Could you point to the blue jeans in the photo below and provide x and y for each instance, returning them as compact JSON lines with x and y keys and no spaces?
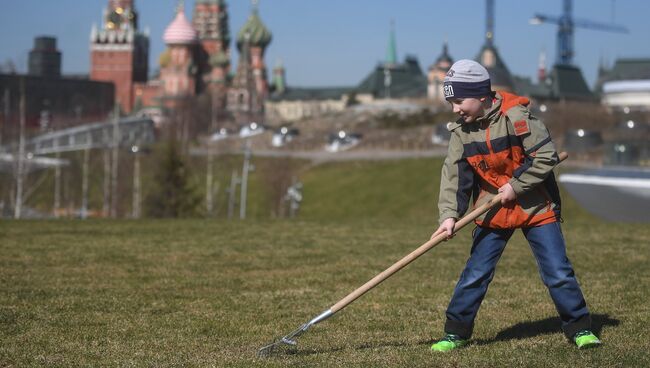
{"x":547,"y":244}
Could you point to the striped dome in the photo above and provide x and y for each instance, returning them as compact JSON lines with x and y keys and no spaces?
{"x":180,"y":31}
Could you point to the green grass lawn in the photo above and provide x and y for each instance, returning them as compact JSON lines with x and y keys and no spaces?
{"x":211,"y":292}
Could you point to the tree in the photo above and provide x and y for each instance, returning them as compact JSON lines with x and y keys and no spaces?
{"x":277,"y":176}
{"x":173,"y":193}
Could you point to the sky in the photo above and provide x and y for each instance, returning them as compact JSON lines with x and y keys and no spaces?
{"x":338,"y":42}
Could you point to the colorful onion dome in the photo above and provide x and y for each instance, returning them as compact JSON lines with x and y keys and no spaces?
{"x":257,"y":32}
{"x":180,"y":31}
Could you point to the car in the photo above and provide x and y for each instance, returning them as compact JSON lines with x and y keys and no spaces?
{"x":251,"y":130}
{"x":284,"y":135}
{"x":221,"y":134}
{"x":342,"y":141}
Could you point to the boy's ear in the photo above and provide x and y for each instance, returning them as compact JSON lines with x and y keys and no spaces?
{"x":482,"y":99}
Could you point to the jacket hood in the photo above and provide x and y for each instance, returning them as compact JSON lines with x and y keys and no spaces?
{"x":510,"y":100}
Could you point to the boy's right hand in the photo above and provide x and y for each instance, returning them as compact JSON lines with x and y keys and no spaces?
{"x":447,"y":226}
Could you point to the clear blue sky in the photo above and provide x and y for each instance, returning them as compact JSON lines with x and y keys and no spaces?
{"x":337,"y":42}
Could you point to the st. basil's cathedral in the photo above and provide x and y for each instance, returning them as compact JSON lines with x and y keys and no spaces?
{"x":196,"y":60}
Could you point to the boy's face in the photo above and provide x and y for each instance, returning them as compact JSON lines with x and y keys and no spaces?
{"x":469,"y":109}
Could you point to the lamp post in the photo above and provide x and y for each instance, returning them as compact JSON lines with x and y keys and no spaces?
{"x":136,"y":211}
{"x":232,"y":191}
{"x":114,"y":159}
{"x":84,"y":181}
{"x":21,"y":155}
{"x":244,"y":180}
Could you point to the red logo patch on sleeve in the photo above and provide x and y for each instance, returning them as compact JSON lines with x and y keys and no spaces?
{"x":521,"y":127}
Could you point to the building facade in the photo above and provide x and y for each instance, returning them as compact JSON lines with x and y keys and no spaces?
{"x":52,"y":102}
{"x":625,"y":87}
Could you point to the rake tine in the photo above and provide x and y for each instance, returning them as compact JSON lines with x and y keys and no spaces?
{"x":289,"y":339}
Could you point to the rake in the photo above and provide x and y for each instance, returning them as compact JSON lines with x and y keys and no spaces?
{"x":290,"y":339}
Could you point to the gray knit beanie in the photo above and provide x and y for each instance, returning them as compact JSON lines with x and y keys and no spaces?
{"x":467,"y":78}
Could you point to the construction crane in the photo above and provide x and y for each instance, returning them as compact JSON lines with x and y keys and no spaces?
{"x":566,"y":23}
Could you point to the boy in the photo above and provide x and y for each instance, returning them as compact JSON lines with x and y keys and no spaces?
{"x":497,"y":146}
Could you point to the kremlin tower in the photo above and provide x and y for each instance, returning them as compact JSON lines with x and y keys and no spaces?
{"x":119,"y":51}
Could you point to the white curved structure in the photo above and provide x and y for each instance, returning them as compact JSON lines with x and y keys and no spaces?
{"x":613,"y":194}
{"x":631,"y":94}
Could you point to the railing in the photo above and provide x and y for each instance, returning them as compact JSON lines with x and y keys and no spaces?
{"x":130,"y":131}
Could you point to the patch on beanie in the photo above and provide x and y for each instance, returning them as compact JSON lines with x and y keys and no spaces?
{"x":449,"y":90}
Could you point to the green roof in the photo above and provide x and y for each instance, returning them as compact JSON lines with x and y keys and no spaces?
{"x":406,"y":81}
{"x":259,"y":35}
{"x":568,"y":83}
{"x":525,"y":87}
{"x":624,"y":69}
{"x":630,"y":69}
{"x":565,"y":83}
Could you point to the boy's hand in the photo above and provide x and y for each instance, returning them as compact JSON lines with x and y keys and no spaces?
{"x":447,"y":226}
{"x":507,"y":193}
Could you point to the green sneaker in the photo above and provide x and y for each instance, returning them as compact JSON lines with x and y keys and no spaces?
{"x":586,"y":339}
{"x":449,"y":342}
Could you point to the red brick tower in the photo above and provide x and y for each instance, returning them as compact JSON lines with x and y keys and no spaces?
{"x":119,"y":53}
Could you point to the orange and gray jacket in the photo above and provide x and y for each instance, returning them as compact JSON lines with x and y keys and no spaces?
{"x":506,"y":145}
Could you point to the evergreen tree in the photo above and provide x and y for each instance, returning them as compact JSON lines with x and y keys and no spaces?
{"x":173,"y":194}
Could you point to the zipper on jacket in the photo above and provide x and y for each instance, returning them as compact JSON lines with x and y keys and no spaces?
{"x":491,"y":155}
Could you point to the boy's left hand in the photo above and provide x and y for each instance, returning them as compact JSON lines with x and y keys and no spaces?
{"x":507,"y":193}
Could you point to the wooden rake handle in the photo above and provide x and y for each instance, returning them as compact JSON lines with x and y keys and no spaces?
{"x":470,"y":217}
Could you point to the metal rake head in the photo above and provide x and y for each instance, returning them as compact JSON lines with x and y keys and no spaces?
{"x":288,"y":340}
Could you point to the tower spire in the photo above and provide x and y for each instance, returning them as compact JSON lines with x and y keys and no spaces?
{"x":445,"y":47}
{"x":541,"y":69}
{"x":391,"y":51}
